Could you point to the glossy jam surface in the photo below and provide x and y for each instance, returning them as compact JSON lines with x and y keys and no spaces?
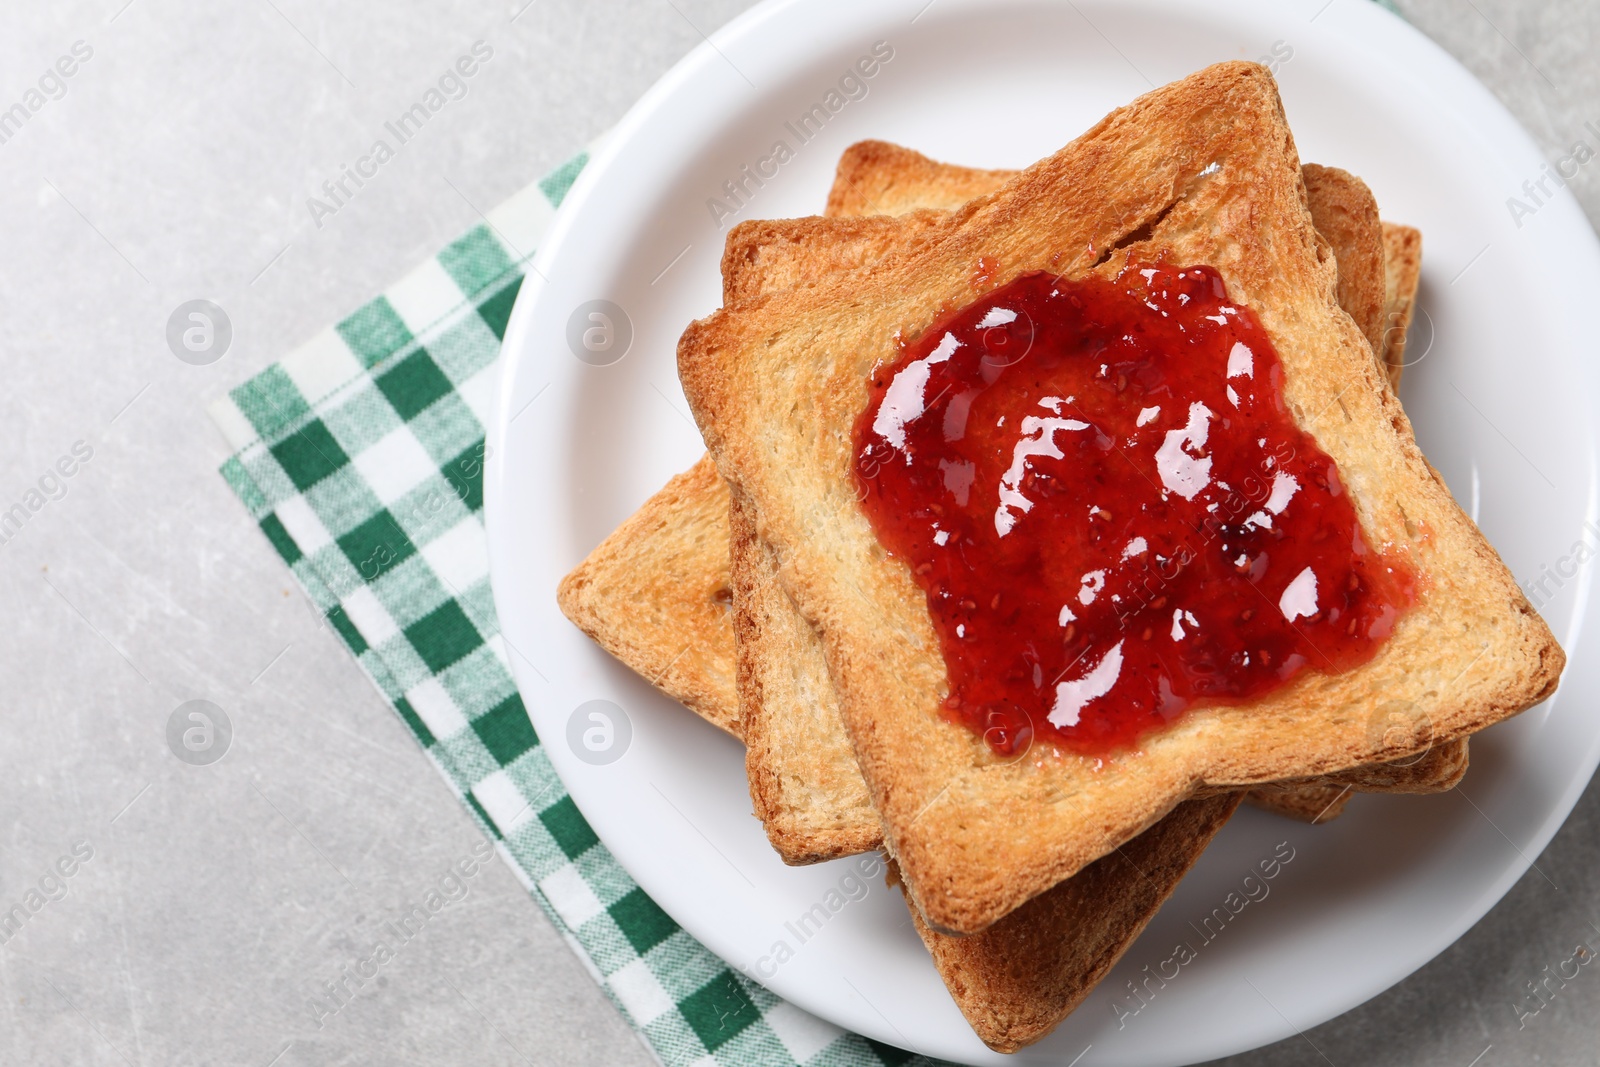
{"x":1112,"y":511}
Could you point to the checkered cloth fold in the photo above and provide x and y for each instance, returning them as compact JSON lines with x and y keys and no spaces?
{"x":360,"y":456}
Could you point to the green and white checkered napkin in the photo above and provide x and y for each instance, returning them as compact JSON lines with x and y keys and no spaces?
{"x":360,"y":456}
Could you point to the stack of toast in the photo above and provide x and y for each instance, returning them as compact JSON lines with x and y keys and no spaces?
{"x":753,"y":589}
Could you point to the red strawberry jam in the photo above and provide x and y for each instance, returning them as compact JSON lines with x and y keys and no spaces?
{"x":1112,"y":511}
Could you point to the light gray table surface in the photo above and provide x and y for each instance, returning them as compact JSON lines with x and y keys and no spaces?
{"x":219,"y":899}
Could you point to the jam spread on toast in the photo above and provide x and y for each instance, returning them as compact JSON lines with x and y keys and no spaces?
{"x":1112,"y":511}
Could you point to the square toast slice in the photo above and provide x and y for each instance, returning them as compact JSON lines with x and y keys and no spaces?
{"x":657,"y":595}
{"x":804,"y":782}
{"x":1200,"y":171}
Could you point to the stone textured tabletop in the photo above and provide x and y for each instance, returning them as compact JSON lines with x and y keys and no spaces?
{"x":208,"y":904}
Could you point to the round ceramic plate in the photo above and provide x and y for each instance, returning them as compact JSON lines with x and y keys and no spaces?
{"x":1502,"y":398}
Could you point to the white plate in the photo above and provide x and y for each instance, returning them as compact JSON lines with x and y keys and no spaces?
{"x":1502,"y":402}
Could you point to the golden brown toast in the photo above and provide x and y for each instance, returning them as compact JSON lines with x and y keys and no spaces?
{"x":656,"y":594}
{"x":879,"y":178}
{"x":653,"y":581}
{"x":1017,"y":980}
{"x":804,"y":781}
{"x":1344,"y":211}
{"x":1207,"y":167}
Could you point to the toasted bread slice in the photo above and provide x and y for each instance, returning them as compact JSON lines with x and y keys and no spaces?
{"x":1019,"y":978}
{"x":1344,"y":211}
{"x":801,"y":771}
{"x":1207,"y":168}
{"x":879,"y":178}
{"x":656,"y":594}
{"x":1402,"y":247}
